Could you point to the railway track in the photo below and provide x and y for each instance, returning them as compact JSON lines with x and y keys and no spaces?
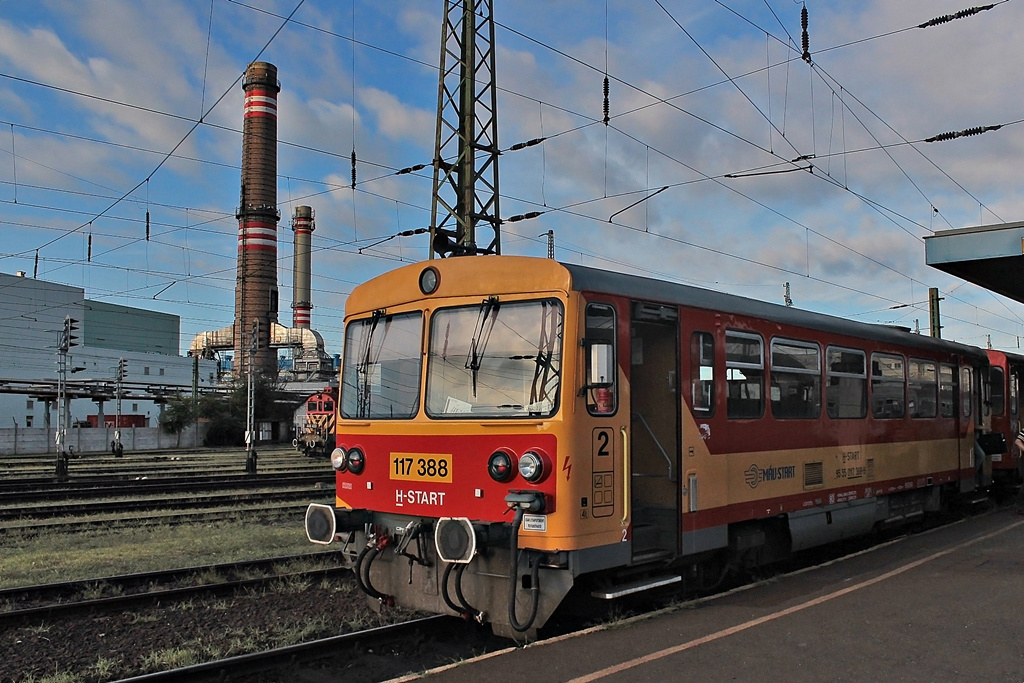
{"x":39,"y":491}
{"x":416,"y":645}
{"x":57,"y":601}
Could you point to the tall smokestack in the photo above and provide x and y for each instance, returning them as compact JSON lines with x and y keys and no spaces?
{"x":256,"y":285}
{"x":302,"y":302}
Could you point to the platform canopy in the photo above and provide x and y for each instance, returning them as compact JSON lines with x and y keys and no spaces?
{"x":991,"y":256}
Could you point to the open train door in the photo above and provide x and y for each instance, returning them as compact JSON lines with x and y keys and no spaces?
{"x":975,"y":464}
{"x":655,"y":431}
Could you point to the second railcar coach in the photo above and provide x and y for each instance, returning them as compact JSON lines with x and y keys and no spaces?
{"x":513,"y":428}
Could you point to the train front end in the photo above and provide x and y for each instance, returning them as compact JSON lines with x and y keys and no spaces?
{"x":448,"y":440}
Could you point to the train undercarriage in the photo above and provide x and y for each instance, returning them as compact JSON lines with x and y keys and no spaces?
{"x":464,"y":568}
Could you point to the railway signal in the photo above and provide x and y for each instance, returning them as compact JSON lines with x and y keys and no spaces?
{"x":116,"y":447}
{"x":66,"y":339}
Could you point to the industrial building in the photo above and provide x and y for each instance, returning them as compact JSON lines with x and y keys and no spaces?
{"x":143,"y":344}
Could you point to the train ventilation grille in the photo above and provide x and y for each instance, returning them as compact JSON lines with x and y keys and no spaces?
{"x":871,"y":469}
{"x":814,"y":474}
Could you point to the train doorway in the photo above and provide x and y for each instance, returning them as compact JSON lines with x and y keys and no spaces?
{"x":655,"y":431}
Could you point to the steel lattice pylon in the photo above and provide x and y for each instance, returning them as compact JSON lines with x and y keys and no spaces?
{"x":465,"y":191}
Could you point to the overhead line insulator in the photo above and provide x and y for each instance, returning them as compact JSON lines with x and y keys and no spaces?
{"x":977,"y":130}
{"x":524,"y":216}
{"x":411,"y":169}
{"x":523,"y":145}
{"x":959,"y":15}
{"x":353,"y":168}
{"x":806,"y":56}
{"x":606,"y":107}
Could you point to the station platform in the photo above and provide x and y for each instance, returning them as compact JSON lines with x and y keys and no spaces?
{"x":938,"y":606}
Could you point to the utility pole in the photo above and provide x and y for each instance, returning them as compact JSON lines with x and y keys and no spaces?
{"x":933,"y":312}
{"x":250,"y":421}
{"x":465,"y":189}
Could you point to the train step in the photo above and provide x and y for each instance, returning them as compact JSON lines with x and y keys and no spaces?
{"x":638,"y":586}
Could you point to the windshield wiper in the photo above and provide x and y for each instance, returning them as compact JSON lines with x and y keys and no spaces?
{"x":478,"y":343}
{"x":363,"y":368}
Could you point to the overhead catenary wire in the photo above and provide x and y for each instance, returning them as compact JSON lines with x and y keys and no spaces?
{"x":353,"y":150}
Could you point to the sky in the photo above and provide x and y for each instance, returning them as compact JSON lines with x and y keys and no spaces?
{"x":774,"y":170}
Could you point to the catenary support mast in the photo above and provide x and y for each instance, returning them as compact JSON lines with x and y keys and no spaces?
{"x":465,"y":190}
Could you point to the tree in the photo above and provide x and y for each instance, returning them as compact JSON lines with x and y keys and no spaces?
{"x":177,"y":414}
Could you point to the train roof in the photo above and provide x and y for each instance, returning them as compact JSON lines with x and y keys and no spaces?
{"x":510,"y":274}
{"x":661,"y":291}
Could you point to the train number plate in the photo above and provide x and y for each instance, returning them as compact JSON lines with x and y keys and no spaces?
{"x":431,"y":467}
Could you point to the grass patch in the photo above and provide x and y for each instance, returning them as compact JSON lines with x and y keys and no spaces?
{"x":30,"y":559}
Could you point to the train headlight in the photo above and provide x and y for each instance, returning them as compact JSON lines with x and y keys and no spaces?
{"x":356,"y":461}
{"x":429,"y":280}
{"x":499,"y":466}
{"x":531,"y":466}
{"x":339,"y":459}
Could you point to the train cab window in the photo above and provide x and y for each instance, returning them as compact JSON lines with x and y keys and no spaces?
{"x":796,"y":380}
{"x":922,"y":389}
{"x":997,"y":380}
{"x":380,"y":375}
{"x":744,"y":375}
{"x":495,"y":359}
{"x":702,"y":373}
{"x":888,"y":384}
{"x":602,"y":368}
{"x":847,"y":390}
{"x":947,"y":390}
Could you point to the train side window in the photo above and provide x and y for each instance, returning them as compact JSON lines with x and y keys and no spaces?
{"x":847,"y":391}
{"x":997,"y":379}
{"x":702,"y":373}
{"x":947,"y":391}
{"x":601,"y":366}
{"x":1014,"y":392}
{"x":922,"y":386}
{"x":888,"y":385}
{"x":966,"y":391}
{"x":796,"y":380}
{"x":744,"y":375}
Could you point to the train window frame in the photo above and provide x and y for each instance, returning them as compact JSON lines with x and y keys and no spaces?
{"x":803,"y":404}
{"x":486,"y":353}
{"x":888,"y":408}
{"x":602,"y":401}
{"x":364,"y":375}
{"x":920,"y":388}
{"x":702,"y":373}
{"x":967,"y":396}
{"x":743,"y":376}
{"x":947,"y":390}
{"x":846,"y":389}
{"x":997,"y":395}
{"x":1014,"y":392}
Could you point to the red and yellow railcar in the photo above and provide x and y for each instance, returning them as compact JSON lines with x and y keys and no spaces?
{"x":512,"y":428}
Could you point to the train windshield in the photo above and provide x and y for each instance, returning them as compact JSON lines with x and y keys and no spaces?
{"x":495,"y":359}
{"x":380,"y":377}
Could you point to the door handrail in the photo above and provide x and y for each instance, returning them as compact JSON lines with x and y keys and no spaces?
{"x":671,"y":473}
{"x":626,"y":467}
